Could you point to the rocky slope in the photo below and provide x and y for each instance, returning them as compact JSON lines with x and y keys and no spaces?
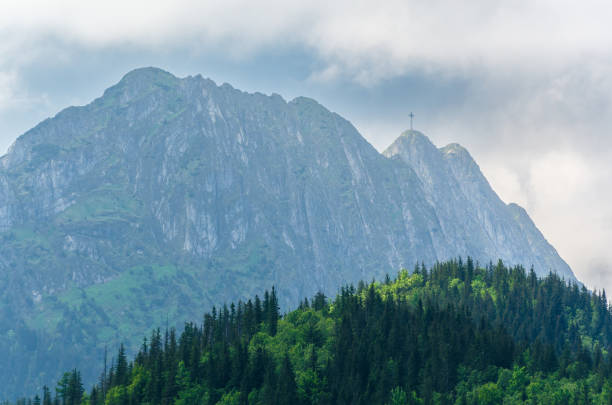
{"x":470,"y":212}
{"x":166,"y":195}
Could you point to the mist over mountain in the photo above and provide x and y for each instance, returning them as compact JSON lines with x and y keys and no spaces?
{"x":166,"y":196}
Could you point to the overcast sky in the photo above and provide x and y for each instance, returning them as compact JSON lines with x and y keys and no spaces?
{"x":526,"y":86}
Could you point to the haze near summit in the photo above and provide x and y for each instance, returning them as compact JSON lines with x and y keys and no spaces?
{"x":525,"y":87}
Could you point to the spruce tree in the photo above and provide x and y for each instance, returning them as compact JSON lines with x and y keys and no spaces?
{"x":122,"y":367}
{"x":258,"y":311}
{"x":46,"y":396}
{"x":272,"y":313}
{"x":286,"y":390}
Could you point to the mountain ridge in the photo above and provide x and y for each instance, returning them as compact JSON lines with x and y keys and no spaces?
{"x":479,"y":197}
{"x":166,"y":195}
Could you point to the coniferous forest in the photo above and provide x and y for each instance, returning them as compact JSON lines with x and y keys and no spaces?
{"x":457,"y":333}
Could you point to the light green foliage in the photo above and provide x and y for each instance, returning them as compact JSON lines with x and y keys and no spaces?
{"x":231,"y":398}
{"x":398,"y":397}
{"x":405,"y":285}
{"x":104,"y":305}
{"x":487,"y":394}
{"x":108,"y":203}
{"x":116,"y":396}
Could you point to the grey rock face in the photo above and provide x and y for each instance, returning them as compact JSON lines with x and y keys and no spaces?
{"x":473,"y":218}
{"x":167,"y":195}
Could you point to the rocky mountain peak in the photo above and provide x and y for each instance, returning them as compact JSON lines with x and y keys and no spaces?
{"x":454,"y":149}
{"x":415,"y":149}
{"x":166,"y":195}
{"x":408,"y":142}
{"x":463,"y":165}
{"x":147,"y":75}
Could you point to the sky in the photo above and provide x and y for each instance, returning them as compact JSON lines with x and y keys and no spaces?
{"x":525,"y":86}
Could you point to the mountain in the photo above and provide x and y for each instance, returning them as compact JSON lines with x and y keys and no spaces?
{"x":468,"y":209}
{"x":452,"y":334}
{"x":167,"y":195}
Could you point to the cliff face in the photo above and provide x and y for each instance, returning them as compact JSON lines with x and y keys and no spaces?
{"x":472,"y":216}
{"x":167,"y":195}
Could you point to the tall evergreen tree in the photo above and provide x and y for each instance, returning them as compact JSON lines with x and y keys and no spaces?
{"x":286,"y":390}
{"x":46,"y":396}
{"x":122,"y":367}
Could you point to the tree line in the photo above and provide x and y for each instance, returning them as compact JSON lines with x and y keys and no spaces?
{"x":458,"y":333}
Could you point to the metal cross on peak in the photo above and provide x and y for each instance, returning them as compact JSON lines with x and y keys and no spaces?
{"x":411,"y":117}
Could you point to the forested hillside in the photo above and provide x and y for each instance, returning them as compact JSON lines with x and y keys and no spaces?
{"x":453,"y":334}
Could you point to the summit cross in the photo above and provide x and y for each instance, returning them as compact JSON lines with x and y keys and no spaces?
{"x":411,"y":117}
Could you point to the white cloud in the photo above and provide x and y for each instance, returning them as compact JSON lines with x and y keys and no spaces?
{"x":7,"y":91}
{"x":570,"y":199}
{"x":369,"y":41}
{"x":557,"y":174}
{"x":506,"y":184}
{"x":12,"y":94}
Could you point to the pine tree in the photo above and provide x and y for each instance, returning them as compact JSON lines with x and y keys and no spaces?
{"x":258,"y":311}
{"x":121,"y":368}
{"x":272,"y":313}
{"x":62,"y":388}
{"x":76,"y":388}
{"x":46,"y":396}
{"x":319,"y":301}
{"x":286,"y":390}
